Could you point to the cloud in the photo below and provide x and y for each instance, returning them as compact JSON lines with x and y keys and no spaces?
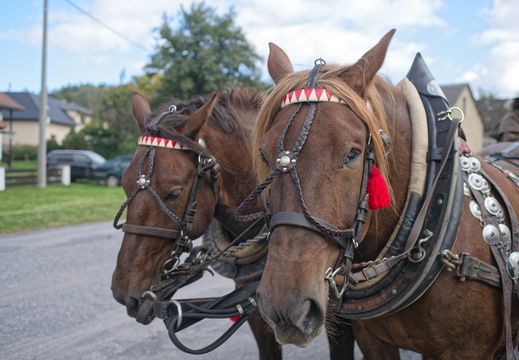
{"x":299,"y":26}
{"x":338,"y":31}
{"x":502,"y":66}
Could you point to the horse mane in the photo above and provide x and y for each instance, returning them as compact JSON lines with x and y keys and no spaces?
{"x":234,"y":114}
{"x":328,"y":78}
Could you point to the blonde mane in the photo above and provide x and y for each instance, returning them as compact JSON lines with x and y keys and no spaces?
{"x":374,"y":117}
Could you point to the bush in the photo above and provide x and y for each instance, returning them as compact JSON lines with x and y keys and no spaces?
{"x":52,"y":145}
{"x":25,"y":153}
{"x":76,"y":141}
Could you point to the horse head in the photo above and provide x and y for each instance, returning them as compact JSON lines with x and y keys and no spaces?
{"x":174,"y":188}
{"x":319,"y":136}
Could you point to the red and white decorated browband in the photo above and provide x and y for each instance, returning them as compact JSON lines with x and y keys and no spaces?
{"x":310,"y":95}
{"x":313,"y":95}
{"x":160,"y":142}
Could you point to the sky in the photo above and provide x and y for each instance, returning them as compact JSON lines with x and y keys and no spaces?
{"x":109,"y":41}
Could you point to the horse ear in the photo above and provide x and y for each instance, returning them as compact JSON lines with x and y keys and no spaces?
{"x":359,"y":75}
{"x":193,"y":126}
{"x":278,"y":63}
{"x":140,"y":109}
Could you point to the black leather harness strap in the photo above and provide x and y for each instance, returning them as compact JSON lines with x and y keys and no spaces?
{"x":472,"y":268}
{"x":512,"y":352}
{"x":300,"y":220}
{"x":240,"y":303}
{"x":150,"y":231}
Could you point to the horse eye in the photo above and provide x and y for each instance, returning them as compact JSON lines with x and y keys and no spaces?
{"x":264,"y":158}
{"x":352,"y":155}
{"x":173,"y":195}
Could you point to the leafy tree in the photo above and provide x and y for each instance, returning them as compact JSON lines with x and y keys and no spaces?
{"x":487,"y":94}
{"x":205,"y":53}
{"x":102,"y":140}
{"x":114,"y":131}
{"x":75,"y":141}
{"x":52,"y":145}
{"x":86,"y":95}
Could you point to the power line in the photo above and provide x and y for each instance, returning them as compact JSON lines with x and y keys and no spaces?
{"x":99,"y":22}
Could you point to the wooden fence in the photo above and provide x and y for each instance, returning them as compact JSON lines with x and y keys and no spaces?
{"x":9,"y":178}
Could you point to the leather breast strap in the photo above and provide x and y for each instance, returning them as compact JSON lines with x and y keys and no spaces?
{"x":512,"y":352}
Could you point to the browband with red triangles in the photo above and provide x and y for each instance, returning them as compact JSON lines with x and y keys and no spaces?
{"x":310,"y":95}
{"x":160,"y":142}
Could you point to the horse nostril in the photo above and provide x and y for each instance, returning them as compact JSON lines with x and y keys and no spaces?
{"x":132,"y":307}
{"x":267,"y":312}
{"x":306,"y":316}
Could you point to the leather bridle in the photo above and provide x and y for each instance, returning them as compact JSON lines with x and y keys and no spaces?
{"x":286,"y":163}
{"x":182,"y":237}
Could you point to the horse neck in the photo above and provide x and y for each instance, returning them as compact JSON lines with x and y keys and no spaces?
{"x":383,"y":222}
{"x":236,"y":181}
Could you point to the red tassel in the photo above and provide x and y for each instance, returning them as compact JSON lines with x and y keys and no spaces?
{"x":235,"y":318}
{"x":377,"y":190}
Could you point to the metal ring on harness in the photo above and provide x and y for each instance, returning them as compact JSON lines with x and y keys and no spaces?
{"x":179,"y":313}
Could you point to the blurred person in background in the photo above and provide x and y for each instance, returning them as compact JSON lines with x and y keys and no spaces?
{"x":508,"y":127}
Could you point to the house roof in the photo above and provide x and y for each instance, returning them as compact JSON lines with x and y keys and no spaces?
{"x":57,"y":109}
{"x":8,"y":103}
{"x":453,"y":92}
{"x":492,"y":111}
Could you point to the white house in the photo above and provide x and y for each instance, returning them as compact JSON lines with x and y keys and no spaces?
{"x":24,"y":124}
{"x":460,"y":96}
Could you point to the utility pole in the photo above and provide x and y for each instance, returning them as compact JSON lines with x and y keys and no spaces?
{"x":42,"y":145}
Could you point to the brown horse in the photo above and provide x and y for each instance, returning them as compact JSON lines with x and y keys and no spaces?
{"x":320,"y":145}
{"x":163,"y":211}
{"x":503,"y":151}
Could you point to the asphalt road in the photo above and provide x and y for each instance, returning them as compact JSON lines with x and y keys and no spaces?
{"x":56,"y":304}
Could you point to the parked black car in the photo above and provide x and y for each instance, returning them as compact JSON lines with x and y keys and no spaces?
{"x":82,"y":163}
{"x":111,"y":171}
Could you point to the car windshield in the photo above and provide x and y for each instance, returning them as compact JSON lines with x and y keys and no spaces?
{"x":98,"y":159}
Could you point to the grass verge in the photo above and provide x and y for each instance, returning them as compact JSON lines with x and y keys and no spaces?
{"x":21,"y":165}
{"x":25,"y":208}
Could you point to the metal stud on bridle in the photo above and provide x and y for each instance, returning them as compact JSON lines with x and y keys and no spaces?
{"x":143,"y":182}
{"x":286,"y":160}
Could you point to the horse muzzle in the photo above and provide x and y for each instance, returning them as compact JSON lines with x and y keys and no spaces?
{"x":296,"y":322}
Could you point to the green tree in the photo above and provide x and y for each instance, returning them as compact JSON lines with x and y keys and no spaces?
{"x":114,"y":131}
{"x":76,"y":141}
{"x":102,"y":139}
{"x":205,"y":53}
{"x":52,"y":145}
{"x":86,"y":95}
{"x":487,"y":94}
